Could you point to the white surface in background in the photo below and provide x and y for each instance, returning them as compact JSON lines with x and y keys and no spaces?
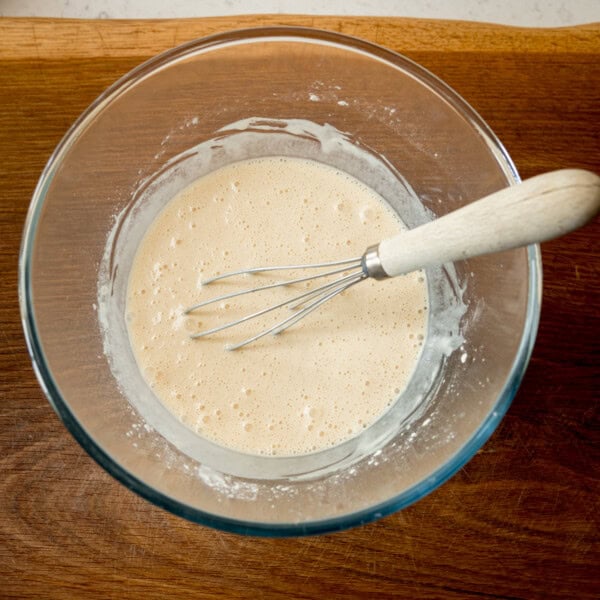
{"x":527,"y":13}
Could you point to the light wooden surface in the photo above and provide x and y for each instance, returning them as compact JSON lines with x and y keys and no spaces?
{"x":519,"y":521}
{"x":25,"y":38}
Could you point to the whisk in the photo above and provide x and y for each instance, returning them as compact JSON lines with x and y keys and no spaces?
{"x":536,"y":210}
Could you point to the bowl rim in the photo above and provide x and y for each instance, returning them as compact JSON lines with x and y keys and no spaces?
{"x":372,"y":513}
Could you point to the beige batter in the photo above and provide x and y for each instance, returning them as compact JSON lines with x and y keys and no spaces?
{"x":318,"y":383}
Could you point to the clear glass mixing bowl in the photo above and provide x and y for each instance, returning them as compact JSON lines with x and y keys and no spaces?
{"x":153,"y":116}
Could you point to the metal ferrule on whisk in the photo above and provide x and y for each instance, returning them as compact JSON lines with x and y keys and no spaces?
{"x":371,"y":264}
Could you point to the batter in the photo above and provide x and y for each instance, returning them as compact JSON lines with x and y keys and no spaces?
{"x":318,"y":383}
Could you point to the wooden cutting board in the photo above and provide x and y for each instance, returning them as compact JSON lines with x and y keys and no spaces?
{"x":519,"y":521}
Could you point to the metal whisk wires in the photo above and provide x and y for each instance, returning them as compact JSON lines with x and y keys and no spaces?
{"x":351,"y":271}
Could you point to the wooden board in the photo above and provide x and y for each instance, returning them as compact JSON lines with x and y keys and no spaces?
{"x":519,"y":521}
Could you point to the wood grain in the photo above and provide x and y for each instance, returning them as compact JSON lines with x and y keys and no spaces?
{"x":37,"y":38}
{"x":519,"y":521}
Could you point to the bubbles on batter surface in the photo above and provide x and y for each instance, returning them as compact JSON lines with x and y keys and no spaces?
{"x":273,"y":399}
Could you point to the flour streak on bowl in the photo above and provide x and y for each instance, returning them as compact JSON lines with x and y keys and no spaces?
{"x":240,"y":141}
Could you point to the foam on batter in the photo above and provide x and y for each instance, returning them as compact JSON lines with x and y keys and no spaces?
{"x":320,"y":382}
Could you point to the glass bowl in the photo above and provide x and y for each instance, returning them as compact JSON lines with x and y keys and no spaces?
{"x":270,"y":82}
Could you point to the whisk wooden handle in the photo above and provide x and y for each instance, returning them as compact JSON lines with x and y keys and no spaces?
{"x":539,"y":209}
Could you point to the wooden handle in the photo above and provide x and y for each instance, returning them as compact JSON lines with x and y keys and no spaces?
{"x":539,"y":209}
